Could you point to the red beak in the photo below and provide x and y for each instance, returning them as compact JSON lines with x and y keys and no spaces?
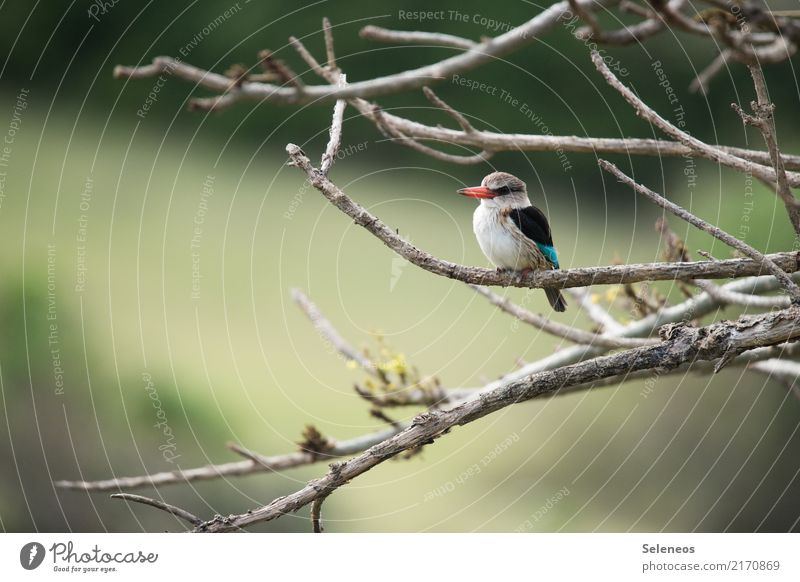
{"x":477,"y":192}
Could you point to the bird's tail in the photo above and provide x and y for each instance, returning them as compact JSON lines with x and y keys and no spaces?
{"x":556,"y":299}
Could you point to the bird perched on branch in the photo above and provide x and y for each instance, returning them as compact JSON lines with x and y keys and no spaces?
{"x":512,"y":233}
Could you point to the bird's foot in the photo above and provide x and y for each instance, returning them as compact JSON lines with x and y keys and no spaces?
{"x":521,"y":274}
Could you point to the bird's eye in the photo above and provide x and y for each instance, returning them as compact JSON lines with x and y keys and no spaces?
{"x":503,"y":190}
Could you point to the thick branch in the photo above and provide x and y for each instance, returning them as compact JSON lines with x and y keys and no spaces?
{"x":681,"y":344}
{"x":579,"y":277}
{"x":517,"y":142}
{"x":484,"y":140}
{"x":692,"y":308}
{"x":790,"y":286}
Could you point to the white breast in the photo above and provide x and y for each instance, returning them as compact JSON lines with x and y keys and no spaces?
{"x":497,"y":242}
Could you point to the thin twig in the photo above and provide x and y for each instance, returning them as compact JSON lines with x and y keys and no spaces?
{"x":701,"y":83}
{"x":238,"y":468}
{"x":764,"y":120}
{"x":595,"y":312}
{"x":783,"y":371}
{"x":316,"y":514}
{"x":330,"y":334}
{"x":258,"y":458}
{"x":560,"y":330}
{"x":697,"y":146}
{"x":483,"y":53}
{"x":328,"y":33}
{"x":595,"y":32}
{"x":485,"y":140}
{"x":743,"y":299}
{"x":440,"y":103}
{"x":176,"y":511}
{"x":427,"y":150}
{"x":281,"y":70}
{"x":380,"y":34}
{"x":707,"y":255}
{"x":335,"y":132}
{"x":307,"y":56}
{"x":733,"y":242}
{"x":216,"y":103}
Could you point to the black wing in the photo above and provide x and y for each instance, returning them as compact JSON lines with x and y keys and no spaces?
{"x":533,"y":224}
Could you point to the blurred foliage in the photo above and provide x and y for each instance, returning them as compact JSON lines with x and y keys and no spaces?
{"x":240,"y":363}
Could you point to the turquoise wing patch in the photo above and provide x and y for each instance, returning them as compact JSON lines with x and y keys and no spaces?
{"x":549,"y":253}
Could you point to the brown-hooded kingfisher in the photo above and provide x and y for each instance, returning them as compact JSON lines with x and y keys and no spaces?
{"x":512,"y":233}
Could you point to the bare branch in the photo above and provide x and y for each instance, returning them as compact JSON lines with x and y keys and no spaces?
{"x":743,"y":299}
{"x":681,"y":344}
{"x":783,"y":371}
{"x":790,"y":286}
{"x":707,"y":255}
{"x":309,"y":59}
{"x":281,"y":70}
{"x":481,"y":54}
{"x":398,"y":135}
{"x":335,"y":132}
{"x":176,"y":511}
{"x":517,"y":142}
{"x":594,"y":32}
{"x":262,"y":460}
{"x":569,"y":369}
{"x":460,"y":119}
{"x":579,"y":277}
{"x":701,"y":83}
{"x":631,"y":7}
{"x":235,"y":469}
{"x":216,"y":103}
{"x":488,"y":141}
{"x":595,"y":312}
{"x":745,"y":359}
{"x":329,"y":333}
{"x":700,"y":148}
{"x":765,"y":122}
{"x":316,"y":515}
{"x":560,"y":330}
{"x":331,"y":54}
{"x":381,"y":34}
{"x":693,"y":308}
{"x":650,"y":26}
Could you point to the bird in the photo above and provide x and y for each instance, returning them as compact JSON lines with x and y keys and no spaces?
{"x":512,"y":233}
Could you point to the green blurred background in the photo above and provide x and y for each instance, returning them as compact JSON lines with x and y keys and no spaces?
{"x":239,"y":362}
